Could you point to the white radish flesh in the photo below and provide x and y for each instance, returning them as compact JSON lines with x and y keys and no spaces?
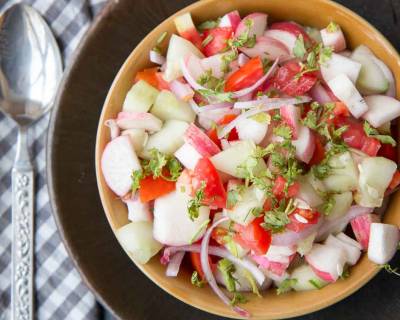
{"x":138,"y":138}
{"x":200,"y":141}
{"x":345,"y":90}
{"x":137,"y":240}
{"x":138,"y":210}
{"x":327,"y":261}
{"x":258,"y":24}
{"x":118,"y":162}
{"x":305,"y":144}
{"x":306,"y":279}
{"x":167,"y":140}
{"x":231,"y":19}
{"x":178,"y":48}
{"x":140,"y":97}
{"x":215,"y":64}
{"x":291,"y":115}
{"x":345,"y":238}
{"x":342,"y":203}
{"x":308,"y":194}
{"x":268,"y":47}
{"x":383,"y":242}
{"x":285,"y":37}
{"x":188,"y":156}
{"x":352,"y":253}
{"x":114,"y":129}
{"x":252,"y":130}
{"x":168,"y":107}
{"x":376,"y":173}
{"x":334,"y":39}
{"x":338,"y":65}
{"x":172,"y":224}
{"x":138,"y":120}
{"x":382,"y":109}
{"x":361,"y":226}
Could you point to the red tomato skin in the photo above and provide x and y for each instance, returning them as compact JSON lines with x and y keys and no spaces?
{"x":193,"y":36}
{"x":286,"y":82}
{"x":297,"y":226}
{"x":253,"y":236}
{"x":341,"y":110}
{"x":388,"y":152}
{"x":395,"y":180}
{"x":220,"y":36}
{"x":233,"y":135}
{"x":291,"y":27}
{"x":278,"y":189}
{"x":371,"y":146}
{"x":151,"y":189}
{"x":214,"y":192}
{"x":319,"y":152}
{"x":246,"y":76}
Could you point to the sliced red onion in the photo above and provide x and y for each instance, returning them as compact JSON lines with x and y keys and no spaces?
{"x":114,"y":129}
{"x":271,"y":102}
{"x":247,"y":97}
{"x":188,"y":76}
{"x":209,"y":276}
{"x":319,"y":94}
{"x":182,"y":90}
{"x":243,"y":92}
{"x":194,"y":106}
{"x":174,"y":264}
{"x":289,"y":238}
{"x":157,"y":58}
{"x":331,"y":225}
{"x":242,"y":59}
{"x":215,"y":106}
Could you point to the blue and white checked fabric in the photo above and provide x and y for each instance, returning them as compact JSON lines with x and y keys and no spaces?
{"x":60,"y":293}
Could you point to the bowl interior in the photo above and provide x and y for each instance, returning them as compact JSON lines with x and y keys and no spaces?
{"x":316,"y":13}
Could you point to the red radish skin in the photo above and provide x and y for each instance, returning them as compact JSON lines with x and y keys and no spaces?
{"x":291,"y":115}
{"x":186,"y":29}
{"x":361,"y":226}
{"x":305,"y":144}
{"x":285,"y":37}
{"x":138,"y":120}
{"x":118,"y":162}
{"x":259,"y":24}
{"x":323,"y":275}
{"x":334,"y":39}
{"x":231,"y":19}
{"x":291,"y":27}
{"x":200,"y":141}
{"x":268,"y":47}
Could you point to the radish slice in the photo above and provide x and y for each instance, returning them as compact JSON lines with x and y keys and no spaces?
{"x":259,"y":24}
{"x":276,"y":267}
{"x":138,"y":210}
{"x":205,"y":265}
{"x":305,"y":144}
{"x":182,"y":90}
{"x":345,"y":90}
{"x":271,"y":102}
{"x":334,"y":39}
{"x":175,"y":264}
{"x":200,"y":141}
{"x":188,"y":156}
{"x":267,"y":47}
{"x":118,"y":162}
{"x":253,"y":130}
{"x":215,"y":64}
{"x":157,"y":58}
{"x":338,"y":65}
{"x":285,"y":37}
{"x":208,"y":119}
{"x":352,"y":253}
{"x":138,"y":120}
{"x":330,"y":225}
{"x":326,"y":261}
{"x":139,"y":138}
{"x":114,"y":129}
{"x":382,"y":109}
{"x":321,"y":94}
{"x":383,"y":244}
{"x":215,"y":106}
{"x":291,"y":115}
{"x":231,"y":19}
{"x":345,"y":238}
{"x":242,"y":59}
{"x":361,"y":227}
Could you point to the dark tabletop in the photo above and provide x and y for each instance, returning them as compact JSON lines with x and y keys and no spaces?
{"x":73,"y":185}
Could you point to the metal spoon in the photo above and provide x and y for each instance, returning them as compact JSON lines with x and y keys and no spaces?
{"x":30,"y":71}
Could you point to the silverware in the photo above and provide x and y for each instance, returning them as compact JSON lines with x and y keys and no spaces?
{"x":30,"y":71}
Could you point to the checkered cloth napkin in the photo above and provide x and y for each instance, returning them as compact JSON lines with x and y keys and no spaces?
{"x":60,"y":293}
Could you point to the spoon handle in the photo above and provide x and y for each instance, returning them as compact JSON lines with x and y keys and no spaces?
{"x":22,"y":221}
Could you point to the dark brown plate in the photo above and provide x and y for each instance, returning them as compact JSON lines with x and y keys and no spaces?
{"x":72,"y":184}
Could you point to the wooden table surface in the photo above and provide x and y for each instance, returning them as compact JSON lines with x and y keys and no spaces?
{"x":73,"y":186}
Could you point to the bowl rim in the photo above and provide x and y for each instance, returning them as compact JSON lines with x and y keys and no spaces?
{"x":303,"y":310}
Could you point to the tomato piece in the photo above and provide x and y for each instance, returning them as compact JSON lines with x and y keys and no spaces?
{"x":370,"y":146}
{"x":219,"y":38}
{"x":246,"y":76}
{"x":287,"y":80}
{"x":193,"y":36}
{"x":151,"y":188}
{"x":278,"y":189}
{"x":341,"y":110}
{"x":298,"y":226}
{"x":319,"y":152}
{"x":233,"y":135}
{"x":214,"y":192}
{"x":152,"y":77}
{"x":292,"y":28}
{"x":395,"y":180}
{"x":388,"y":151}
{"x":267,"y":204}
{"x":253,"y":236}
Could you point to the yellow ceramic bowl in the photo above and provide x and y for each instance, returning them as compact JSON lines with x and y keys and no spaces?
{"x":316,"y":13}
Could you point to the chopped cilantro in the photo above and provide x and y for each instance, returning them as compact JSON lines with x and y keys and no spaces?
{"x":372,"y":132}
{"x":227,"y":58}
{"x":238,"y":298}
{"x":328,"y":205}
{"x":277,"y":218}
{"x":209,"y":24}
{"x":227,"y":268}
{"x":256,"y":212}
{"x":158,"y":162}
{"x":389,"y":269}
{"x":315,"y":284}
{"x":195,"y":203}
{"x":195,"y":280}
{"x":322,"y":170}
{"x":345,"y":274}
{"x":286,"y":285}
{"x":244,"y":40}
{"x":299,"y":49}
{"x":332,"y":27}
{"x":136,"y":176}
{"x":250,"y":279}
{"x":325,"y":54}
{"x":232,"y":198}
{"x":262,"y":117}
{"x":159,"y":41}
{"x":283,"y":131}
{"x":220,"y":96}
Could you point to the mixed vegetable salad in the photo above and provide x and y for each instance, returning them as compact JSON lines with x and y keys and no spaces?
{"x":259,"y":151}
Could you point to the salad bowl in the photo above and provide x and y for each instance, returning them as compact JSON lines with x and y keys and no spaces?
{"x":316,"y":13}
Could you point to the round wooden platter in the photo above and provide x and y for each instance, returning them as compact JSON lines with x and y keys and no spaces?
{"x":108,"y":271}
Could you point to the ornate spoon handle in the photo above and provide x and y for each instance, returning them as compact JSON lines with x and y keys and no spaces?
{"x":22,"y":221}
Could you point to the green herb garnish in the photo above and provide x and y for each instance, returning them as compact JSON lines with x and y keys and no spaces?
{"x":195,"y":280}
{"x":299,"y":49}
{"x":372,"y":132}
{"x":195,"y":203}
{"x":286,"y":285}
{"x":332,"y":27}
